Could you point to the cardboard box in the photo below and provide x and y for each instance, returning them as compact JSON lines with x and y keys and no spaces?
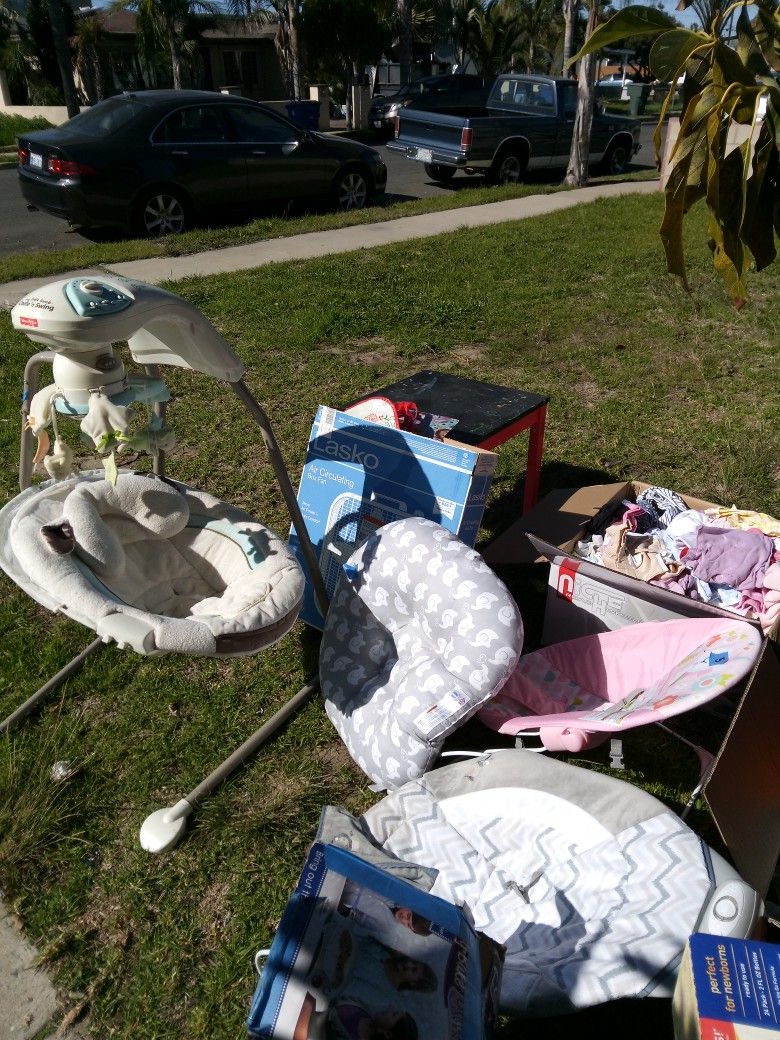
{"x":584,"y":597}
{"x":727,"y":989}
{"x":359,"y":475}
{"x":743,"y":786}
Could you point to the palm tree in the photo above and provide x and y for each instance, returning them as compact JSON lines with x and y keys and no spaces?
{"x":455,"y":22}
{"x":86,"y":44}
{"x":539,"y":31}
{"x":498,"y":36}
{"x":577,"y":170}
{"x":160,"y":24}
{"x":570,"y":8}
{"x":709,"y":13}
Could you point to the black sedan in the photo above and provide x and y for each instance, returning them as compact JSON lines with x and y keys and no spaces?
{"x":156,"y":161}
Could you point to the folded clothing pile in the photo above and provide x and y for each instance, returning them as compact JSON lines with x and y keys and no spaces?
{"x":727,"y":557}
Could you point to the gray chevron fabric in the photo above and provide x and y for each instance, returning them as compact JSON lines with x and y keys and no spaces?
{"x":420,"y":634}
{"x":592,"y":885}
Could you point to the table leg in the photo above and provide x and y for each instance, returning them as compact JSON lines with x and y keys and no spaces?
{"x":534,"y":462}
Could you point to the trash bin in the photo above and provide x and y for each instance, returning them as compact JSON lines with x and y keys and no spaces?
{"x":637,"y":98}
{"x":305,"y":114}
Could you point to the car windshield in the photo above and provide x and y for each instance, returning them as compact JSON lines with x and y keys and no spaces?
{"x":105,"y":118}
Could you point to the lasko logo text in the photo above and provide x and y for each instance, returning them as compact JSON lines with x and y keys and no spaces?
{"x":32,"y":322}
{"x":351,"y":453}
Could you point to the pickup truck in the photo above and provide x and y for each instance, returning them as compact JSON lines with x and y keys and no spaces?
{"x":527,"y":125}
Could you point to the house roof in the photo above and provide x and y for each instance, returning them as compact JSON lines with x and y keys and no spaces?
{"x":124,"y":23}
{"x":234,"y":29}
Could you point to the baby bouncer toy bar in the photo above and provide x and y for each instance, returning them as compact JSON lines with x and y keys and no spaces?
{"x":143,"y":560}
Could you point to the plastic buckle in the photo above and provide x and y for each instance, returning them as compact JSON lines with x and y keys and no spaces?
{"x":616,"y":753}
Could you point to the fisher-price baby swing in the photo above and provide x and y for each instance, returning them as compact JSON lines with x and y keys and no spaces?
{"x":145,"y":561}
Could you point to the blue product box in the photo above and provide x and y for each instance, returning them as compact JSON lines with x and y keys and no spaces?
{"x":359,"y":475}
{"x":333,"y":967}
{"x":727,"y":989}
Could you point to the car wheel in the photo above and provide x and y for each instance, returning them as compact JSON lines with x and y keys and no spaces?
{"x":508,"y":168}
{"x":350,"y":190}
{"x":440,"y":173}
{"x":161,"y":211}
{"x":617,"y":158}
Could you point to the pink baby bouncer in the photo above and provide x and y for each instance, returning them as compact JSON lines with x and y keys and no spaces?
{"x":575,"y":695}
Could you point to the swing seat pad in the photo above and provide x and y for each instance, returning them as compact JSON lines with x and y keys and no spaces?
{"x":152,"y":563}
{"x":591,"y":884}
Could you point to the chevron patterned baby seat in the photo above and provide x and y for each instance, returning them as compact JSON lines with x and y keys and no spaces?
{"x":591,"y":884}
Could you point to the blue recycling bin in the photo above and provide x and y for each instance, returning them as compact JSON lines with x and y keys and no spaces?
{"x":305,"y":113}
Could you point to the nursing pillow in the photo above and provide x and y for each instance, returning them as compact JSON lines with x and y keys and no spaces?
{"x":591,"y":884}
{"x":578,"y":693}
{"x":419,"y":634}
{"x":152,"y":564}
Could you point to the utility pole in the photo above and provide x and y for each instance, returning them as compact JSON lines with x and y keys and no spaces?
{"x":62,"y":50}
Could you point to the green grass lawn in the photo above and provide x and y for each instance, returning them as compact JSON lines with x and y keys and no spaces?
{"x":644,"y":381}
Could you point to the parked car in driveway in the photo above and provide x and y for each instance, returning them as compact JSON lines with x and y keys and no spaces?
{"x":156,"y":161}
{"x":457,"y":93}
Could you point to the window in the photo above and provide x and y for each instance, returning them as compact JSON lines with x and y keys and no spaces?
{"x":257,"y":124}
{"x":105,"y":117}
{"x":241,"y":70}
{"x":199,"y":124}
{"x":569,"y":99}
{"x":543,"y":96}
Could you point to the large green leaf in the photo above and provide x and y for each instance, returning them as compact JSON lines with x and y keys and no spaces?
{"x":760,"y":194}
{"x":671,"y":50}
{"x":631,"y":21}
{"x":726,"y":64}
{"x":748,"y":51}
{"x":725,"y":201}
{"x":766,"y":26}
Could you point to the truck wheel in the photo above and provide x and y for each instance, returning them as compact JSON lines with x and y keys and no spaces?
{"x":617,"y":158}
{"x":508,"y":168}
{"x":440,"y":173}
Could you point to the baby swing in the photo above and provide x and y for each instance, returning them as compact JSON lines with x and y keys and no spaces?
{"x":144,"y":561}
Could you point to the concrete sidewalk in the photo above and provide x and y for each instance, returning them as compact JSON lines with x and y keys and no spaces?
{"x":343,"y":240}
{"x":28,"y":1001}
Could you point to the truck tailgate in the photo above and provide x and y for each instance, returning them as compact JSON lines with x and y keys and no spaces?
{"x":433,"y":130}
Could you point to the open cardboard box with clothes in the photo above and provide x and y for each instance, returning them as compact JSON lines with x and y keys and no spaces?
{"x":585,"y":597}
{"x":743,"y":785}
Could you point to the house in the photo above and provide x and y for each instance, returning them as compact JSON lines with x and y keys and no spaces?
{"x":237,"y":55}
